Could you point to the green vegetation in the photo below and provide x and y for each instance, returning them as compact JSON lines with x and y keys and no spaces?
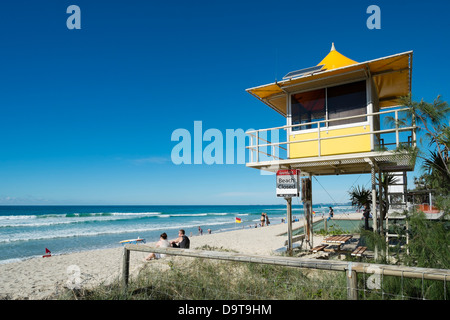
{"x":192,"y":278}
{"x":428,"y":247}
{"x":199,"y":279}
{"x":179,"y":278}
{"x":360,"y":196}
{"x":432,"y":120}
{"x":334,"y":229}
{"x":429,"y":240}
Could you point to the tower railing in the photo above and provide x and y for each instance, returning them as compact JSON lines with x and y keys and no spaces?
{"x":276,"y":148}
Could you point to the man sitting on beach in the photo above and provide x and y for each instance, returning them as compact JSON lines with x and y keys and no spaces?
{"x":182,"y":241}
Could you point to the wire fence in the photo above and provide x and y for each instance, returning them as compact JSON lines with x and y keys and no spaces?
{"x":220,"y":275}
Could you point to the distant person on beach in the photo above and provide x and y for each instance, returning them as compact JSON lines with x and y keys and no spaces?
{"x":263,"y":219}
{"x":182,"y":241}
{"x":209,"y":231}
{"x":200,"y":231}
{"x":366,"y":215}
{"x":267,"y":219}
{"x":331,"y":213}
{"x":162,"y":243}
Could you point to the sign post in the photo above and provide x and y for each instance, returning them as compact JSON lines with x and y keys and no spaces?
{"x":287,"y":187}
{"x":307,"y":208}
{"x":288,"y":183}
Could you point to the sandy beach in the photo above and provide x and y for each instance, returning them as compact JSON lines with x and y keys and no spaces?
{"x":41,"y":278}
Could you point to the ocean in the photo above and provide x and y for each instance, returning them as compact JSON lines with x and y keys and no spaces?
{"x":26,"y":231}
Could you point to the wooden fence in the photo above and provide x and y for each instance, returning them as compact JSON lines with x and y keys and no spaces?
{"x":351,"y":268}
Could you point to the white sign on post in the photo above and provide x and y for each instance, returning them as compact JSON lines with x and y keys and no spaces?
{"x":288,"y":183}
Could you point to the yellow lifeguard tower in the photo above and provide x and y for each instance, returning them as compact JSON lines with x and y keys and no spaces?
{"x":335,"y":115}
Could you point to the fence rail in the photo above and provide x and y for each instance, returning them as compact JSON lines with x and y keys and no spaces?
{"x":351,"y":268}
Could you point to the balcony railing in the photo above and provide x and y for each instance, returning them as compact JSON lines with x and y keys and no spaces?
{"x":274,"y":143}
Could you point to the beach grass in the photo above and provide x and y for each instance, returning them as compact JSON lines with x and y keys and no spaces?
{"x":199,"y":279}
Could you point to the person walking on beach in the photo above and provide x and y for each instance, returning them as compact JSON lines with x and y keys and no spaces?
{"x":200,"y":231}
{"x":267,"y":219}
{"x":162,"y":243}
{"x":182,"y":241}
{"x":263,"y":219}
{"x":331,"y":213}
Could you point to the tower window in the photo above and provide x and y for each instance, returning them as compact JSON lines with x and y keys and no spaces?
{"x":329,"y":103}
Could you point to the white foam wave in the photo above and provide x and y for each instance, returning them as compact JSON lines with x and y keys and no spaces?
{"x":64,"y":219}
{"x":189,"y":215}
{"x":106,"y":229}
{"x":76,"y":233}
{"x":135,"y":213}
{"x":24,"y":217}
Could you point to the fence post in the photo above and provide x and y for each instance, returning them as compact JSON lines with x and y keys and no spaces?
{"x":289,"y":222}
{"x":352,"y":284}
{"x":125,"y":267}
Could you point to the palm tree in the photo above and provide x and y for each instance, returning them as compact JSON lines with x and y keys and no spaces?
{"x":431,"y":118}
{"x":437,"y":174}
{"x":360,"y":196}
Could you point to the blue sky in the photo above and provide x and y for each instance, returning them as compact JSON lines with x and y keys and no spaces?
{"x":87,"y":115}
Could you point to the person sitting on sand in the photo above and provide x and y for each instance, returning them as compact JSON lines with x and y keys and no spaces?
{"x":162,"y":243}
{"x":182,"y":241}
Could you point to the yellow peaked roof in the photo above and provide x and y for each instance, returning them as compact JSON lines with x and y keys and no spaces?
{"x":335,"y":60}
{"x":391,"y":78}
